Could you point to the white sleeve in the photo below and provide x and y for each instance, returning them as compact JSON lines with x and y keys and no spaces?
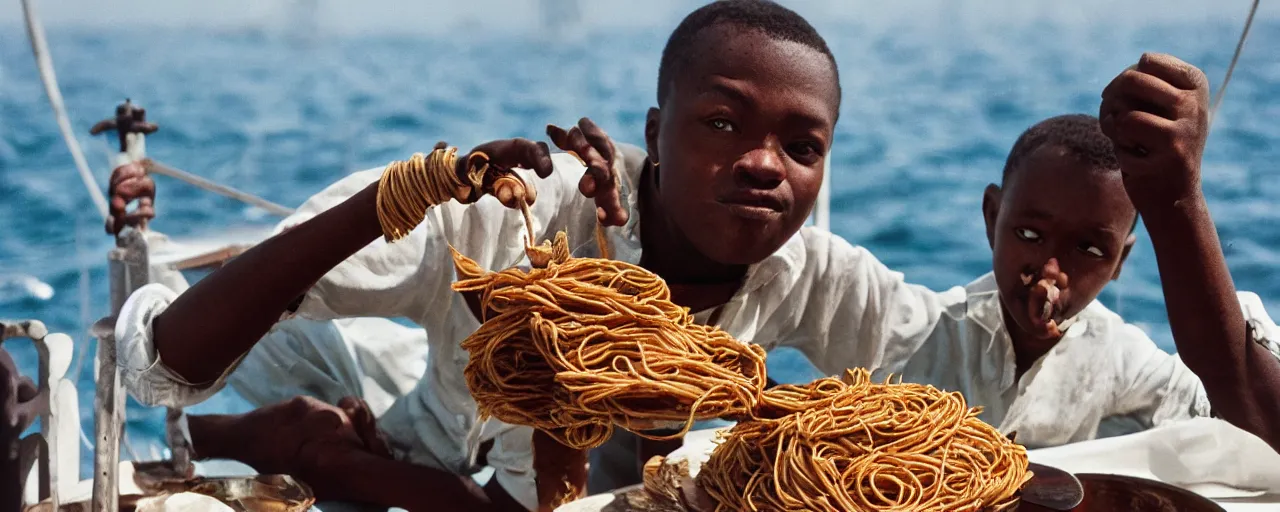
{"x":143,"y":374}
{"x":408,"y":278}
{"x":1158,"y":386}
{"x":859,"y":314}
{"x":1155,"y":386}
{"x":411,"y":277}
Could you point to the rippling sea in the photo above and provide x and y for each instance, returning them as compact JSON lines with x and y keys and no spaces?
{"x":930,"y":111}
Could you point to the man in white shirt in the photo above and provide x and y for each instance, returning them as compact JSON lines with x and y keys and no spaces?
{"x":749,"y":97}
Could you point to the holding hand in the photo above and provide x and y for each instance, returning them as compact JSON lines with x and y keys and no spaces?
{"x":596,"y":151}
{"x":586,"y":141}
{"x":308,"y":439}
{"x":1157,"y":115}
{"x":130,"y":182}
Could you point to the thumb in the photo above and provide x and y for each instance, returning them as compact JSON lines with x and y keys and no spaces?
{"x":366,"y":426}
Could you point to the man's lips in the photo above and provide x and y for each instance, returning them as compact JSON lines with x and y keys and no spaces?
{"x":755,"y":199}
{"x":757,"y":206}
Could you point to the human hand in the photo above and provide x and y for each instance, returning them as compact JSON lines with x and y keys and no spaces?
{"x":1157,"y":115}
{"x":130,"y":182}
{"x":310,"y":440}
{"x":502,"y":155}
{"x":597,"y":152}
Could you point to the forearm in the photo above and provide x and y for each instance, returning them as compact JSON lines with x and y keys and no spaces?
{"x":222,"y":316}
{"x":355,"y":476}
{"x":391,"y":483}
{"x":1241,"y":378}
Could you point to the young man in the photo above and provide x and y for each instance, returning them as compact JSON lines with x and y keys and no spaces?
{"x":748,"y":98}
{"x":1048,"y":361}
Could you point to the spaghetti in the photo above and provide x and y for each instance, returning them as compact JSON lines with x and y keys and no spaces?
{"x":584,"y":344}
{"x":849,"y":444}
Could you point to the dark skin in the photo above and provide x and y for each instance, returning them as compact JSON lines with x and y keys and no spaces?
{"x":740,"y":141}
{"x":1037,"y":216}
{"x":19,"y":406}
{"x":1157,"y":115}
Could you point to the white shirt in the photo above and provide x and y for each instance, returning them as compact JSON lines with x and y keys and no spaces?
{"x":1105,"y":377}
{"x":833,"y":301}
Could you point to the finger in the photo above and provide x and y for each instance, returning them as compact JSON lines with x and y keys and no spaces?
{"x":609,"y":208}
{"x":127,"y":171}
{"x":1146,"y":92}
{"x":559,"y":137}
{"x":540,"y":159}
{"x":132,"y":189}
{"x":1136,"y":132}
{"x":365,"y":424}
{"x":597,"y":138}
{"x":515,"y":153}
{"x":587,"y":185}
{"x":598,"y":168}
{"x":1172,"y":70}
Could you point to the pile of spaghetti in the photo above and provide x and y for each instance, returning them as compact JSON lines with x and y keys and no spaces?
{"x":837,"y":445}
{"x":583,"y":344}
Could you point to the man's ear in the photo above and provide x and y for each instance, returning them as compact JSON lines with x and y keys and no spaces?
{"x":991,"y":211}
{"x":652,"y":122}
{"x":1124,"y":254}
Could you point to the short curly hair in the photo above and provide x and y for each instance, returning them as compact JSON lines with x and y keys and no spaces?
{"x":774,"y":20}
{"x":1079,"y":134}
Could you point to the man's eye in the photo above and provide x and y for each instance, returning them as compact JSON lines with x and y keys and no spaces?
{"x":1027,"y":234}
{"x":721,"y":125}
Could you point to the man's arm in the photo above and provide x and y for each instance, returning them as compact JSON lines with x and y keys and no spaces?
{"x":331,"y":448}
{"x":216,"y":321}
{"x":1156,"y":113}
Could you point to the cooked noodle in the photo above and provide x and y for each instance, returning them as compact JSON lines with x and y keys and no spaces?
{"x":854,"y":445}
{"x":584,"y":344}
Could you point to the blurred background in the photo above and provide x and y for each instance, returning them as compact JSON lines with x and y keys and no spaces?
{"x":281,"y":98}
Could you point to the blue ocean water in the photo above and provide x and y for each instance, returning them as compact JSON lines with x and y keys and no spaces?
{"x":930,"y":111}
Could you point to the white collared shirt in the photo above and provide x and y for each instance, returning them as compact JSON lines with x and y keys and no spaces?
{"x":833,"y":301}
{"x":1105,"y":377}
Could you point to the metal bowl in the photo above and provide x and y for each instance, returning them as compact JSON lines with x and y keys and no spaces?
{"x":1125,"y":493}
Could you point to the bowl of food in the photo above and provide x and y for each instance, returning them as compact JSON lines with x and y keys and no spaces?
{"x":1127,"y":493}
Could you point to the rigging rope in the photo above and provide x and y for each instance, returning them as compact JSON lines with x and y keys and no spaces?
{"x":1217,"y":98}
{"x":35,"y":32}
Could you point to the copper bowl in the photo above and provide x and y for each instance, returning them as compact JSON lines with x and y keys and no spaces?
{"x":1125,"y":493}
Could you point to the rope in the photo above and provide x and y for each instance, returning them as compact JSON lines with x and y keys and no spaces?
{"x":1217,"y":98}
{"x":153,"y":166}
{"x":35,"y":32}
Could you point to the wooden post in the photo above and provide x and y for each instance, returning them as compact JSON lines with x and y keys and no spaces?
{"x":129,"y":270}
